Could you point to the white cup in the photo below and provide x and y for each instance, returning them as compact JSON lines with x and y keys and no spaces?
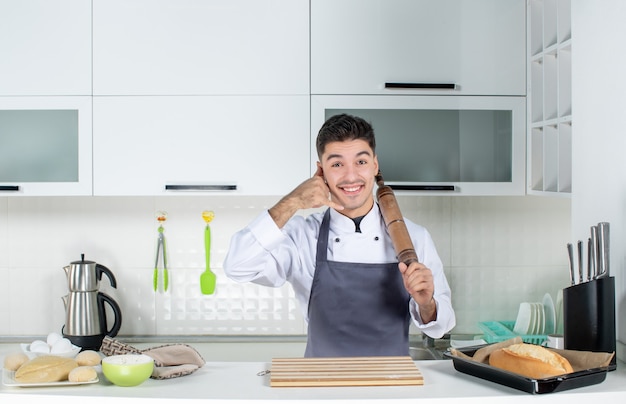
{"x":554,"y":341}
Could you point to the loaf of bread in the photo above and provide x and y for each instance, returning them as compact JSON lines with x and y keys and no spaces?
{"x":82,"y":374}
{"x":530,"y":360}
{"x":15,"y":360}
{"x":88,"y":358}
{"x":45,"y":369}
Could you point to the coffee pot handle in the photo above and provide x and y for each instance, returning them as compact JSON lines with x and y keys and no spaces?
{"x":101,"y":269}
{"x":117,"y":323}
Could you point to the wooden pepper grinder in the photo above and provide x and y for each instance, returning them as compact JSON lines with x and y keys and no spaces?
{"x":394,"y":222}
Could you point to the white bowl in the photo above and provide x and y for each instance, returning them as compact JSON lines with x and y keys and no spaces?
{"x":69,"y":354}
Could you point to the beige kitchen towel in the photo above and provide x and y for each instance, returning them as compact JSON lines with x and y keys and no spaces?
{"x":170,"y":360}
{"x":174,"y":360}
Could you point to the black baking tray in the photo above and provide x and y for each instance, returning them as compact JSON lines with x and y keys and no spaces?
{"x":555,"y":384}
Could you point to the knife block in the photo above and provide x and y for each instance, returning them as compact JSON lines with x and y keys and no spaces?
{"x":589,"y":317}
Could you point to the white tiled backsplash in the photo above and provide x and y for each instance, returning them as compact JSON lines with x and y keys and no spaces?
{"x":497,"y":252}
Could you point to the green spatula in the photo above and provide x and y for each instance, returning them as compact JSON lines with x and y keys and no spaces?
{"x":207,"y":279}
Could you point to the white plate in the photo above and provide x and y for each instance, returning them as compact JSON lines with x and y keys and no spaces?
{"x":8,"y":379}
{"x":523,"y":323}
{"x":559,"y":312}
{"x":541,"y":326}
{"x":535,"y":322}
{"x":550,"y":311}
{"x":533,"y":319}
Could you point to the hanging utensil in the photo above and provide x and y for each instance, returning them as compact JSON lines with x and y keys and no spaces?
{"x":208,"y":278}
{"x":161,"y":251}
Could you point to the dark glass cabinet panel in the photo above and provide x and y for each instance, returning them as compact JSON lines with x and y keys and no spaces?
{"x":441,"y":145}
{"x":39,"y":146}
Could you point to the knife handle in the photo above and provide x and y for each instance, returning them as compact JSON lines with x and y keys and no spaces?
{"x":570,"y":253}
{"x":594,"y":252}
{"x":589,"y":259}
{"x":580,"y":261}
{"x":603,"y":249}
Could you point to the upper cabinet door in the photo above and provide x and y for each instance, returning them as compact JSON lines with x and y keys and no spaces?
{"x":479,"y":46}
{"x":45,"y":146}
{"x":201,"y":47}
{"x":217,"y":145}
{"x":45,"y":47}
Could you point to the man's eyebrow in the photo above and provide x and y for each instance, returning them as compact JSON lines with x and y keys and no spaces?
{"x":332,"y":156}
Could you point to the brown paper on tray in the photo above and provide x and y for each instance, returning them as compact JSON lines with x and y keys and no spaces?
{"x":583,"y":360}
{"x":580,"y":360}
{"x":482,"y":355}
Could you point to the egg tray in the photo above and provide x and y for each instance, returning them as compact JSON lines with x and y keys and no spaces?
{"x":498,"y":331}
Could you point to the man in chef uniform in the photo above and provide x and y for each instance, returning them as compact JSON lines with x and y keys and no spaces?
{"x":357,"y":298}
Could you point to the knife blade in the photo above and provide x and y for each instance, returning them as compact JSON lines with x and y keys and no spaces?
{"x":570,"y":253}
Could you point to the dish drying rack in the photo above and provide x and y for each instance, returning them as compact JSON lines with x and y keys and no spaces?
{"x":498,"y":331}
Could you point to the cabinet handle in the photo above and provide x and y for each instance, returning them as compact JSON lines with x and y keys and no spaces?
{"x":207,"y":187}
{"x":406,"y":187}
{"x":9,"y":187}
{"x":436,"y":86}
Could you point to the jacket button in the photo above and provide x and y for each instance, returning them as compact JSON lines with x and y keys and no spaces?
{"x":376,"y":238}
{"x":337,"y":240}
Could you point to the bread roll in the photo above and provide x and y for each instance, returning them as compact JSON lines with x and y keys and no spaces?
{"x":45,"y":369}
{"x":82,"y":374}
{"x":530,"y":360}
{"x":15,"y":360}
{"x":88,"y":358}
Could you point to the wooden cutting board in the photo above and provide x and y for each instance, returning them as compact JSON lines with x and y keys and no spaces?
{"x":357,"y":371}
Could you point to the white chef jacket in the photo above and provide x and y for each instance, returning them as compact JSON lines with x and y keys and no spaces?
{"x":266,"y":255}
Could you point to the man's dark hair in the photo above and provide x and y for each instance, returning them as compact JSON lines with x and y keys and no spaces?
{"x":342,"y":127}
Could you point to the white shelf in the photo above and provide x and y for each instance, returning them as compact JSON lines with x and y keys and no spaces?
{"x":564,"y":74}
{"x":549,"y":97}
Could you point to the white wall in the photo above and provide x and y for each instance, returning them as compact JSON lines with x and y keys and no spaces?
{"x":599,"y":138}
{"x":497,"y":251}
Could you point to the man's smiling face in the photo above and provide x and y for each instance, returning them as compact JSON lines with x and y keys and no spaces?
{"x":349,"y":169}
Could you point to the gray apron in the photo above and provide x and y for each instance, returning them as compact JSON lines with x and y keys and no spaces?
{"x":356,"y":309}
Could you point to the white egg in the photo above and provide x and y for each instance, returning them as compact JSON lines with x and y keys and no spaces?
{"x":39,"y":346}
{"x":53,"y":337}
{"x":61,"y":346}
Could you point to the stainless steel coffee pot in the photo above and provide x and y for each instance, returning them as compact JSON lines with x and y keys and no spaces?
{"x":85,"y":306}
{"x":86,"y":315}
{"x":85,"y":276}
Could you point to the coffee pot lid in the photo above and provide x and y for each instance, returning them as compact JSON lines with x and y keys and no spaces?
{"x":82,"y":261}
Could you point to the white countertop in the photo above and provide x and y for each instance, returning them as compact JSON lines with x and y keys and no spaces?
{"x":238,"y":382}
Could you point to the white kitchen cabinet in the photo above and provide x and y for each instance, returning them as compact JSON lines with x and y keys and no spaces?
{"x":201,"y":47}
{"x":45,"y":146}
{"x":478,"y":46}
{"x":440,"y":145}
{"x":45,"y":47}
{"x":549,"y":98}
{"x":217,"y":145}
